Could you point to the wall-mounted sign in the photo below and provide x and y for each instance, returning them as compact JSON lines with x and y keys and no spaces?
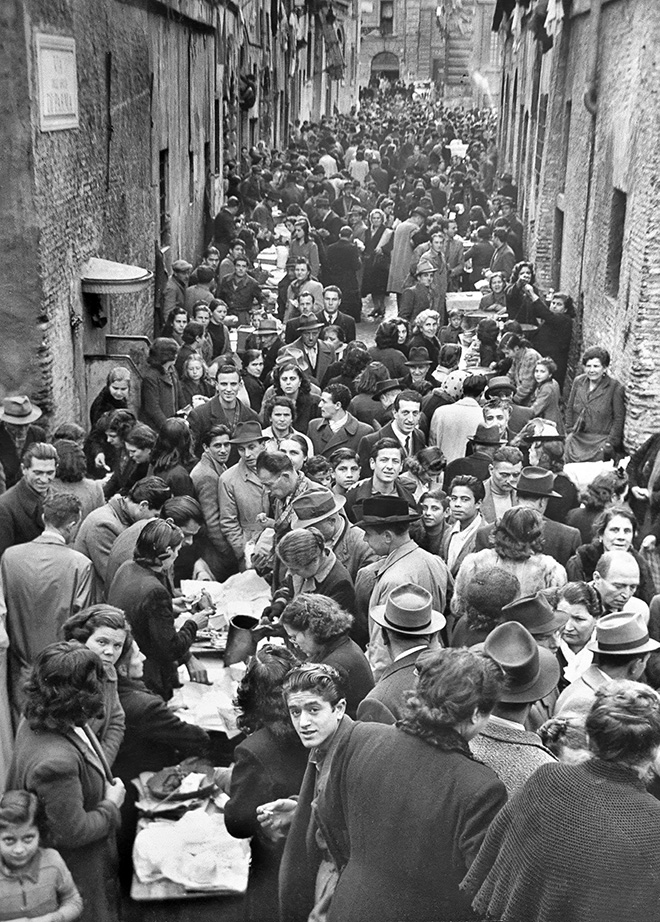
{"x":57,"y":81}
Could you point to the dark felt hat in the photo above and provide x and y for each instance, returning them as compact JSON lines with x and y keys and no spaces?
{"x":384,"y":387}
{"x":487,"y":435}
{"x":418,"y":355}
{"x":409,"y":610}
{"x":535,"y":613}
{"x":531,"y":671}
{"x":386,"y":510}
{"x":248,"y":431}
{"x":537,"y":481}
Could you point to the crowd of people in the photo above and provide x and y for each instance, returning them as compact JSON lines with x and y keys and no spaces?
{"x":456,"y":713}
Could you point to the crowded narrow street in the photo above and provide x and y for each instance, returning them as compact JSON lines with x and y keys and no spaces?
{"x":330,"y":461}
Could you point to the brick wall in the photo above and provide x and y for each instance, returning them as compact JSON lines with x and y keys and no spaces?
{"x":579,"y":173}
{"x":93,"y":191}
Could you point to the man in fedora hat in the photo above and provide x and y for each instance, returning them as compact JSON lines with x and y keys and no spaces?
{"x":17,"y":433}
{"x":224,"y":408}
{"x":418,"y":364}
{"x":498,"y":408}
{"x":386,"y":523}
{"x":484,"y":443}
{"x":337,"y":428}
{"x":243,"y":498}
{"x":386,"y":392}
{"x":266,"y":337}
{"x":621,"y":649}
{"x":317,"y":355}
{"x":417,"y":297}
{"x":410,"y":626}
{"x":322,"y":509}
{"x":530,"y":672}
{"x":537,"y":615}
{"x":534,"y":489}
{"x":432,"y":253}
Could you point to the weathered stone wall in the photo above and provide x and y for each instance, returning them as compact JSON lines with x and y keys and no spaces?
{"x":93,"y":191}
{"x":582,"y":164}
{"x":21,"y":328}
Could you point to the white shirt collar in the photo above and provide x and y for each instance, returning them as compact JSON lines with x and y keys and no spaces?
{"x":337,"y":424}
{"x":418,"y":649}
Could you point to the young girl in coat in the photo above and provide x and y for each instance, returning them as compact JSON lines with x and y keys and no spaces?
{"x":35,"y":882}
{"x":546,"y":395}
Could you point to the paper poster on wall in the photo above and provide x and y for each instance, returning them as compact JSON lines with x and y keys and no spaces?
{"x":57,"y":82}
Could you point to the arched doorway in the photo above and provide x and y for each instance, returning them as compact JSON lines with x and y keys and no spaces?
{"x":385,"y":64}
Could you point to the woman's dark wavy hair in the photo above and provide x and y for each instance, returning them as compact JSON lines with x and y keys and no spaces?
{"x":624,"y":723}
{"x":606,"y":516}
{"x":519,"y":534}
{"x":65,"y":687}
{"x":278,"y":370}
{"x":370,"y":376}
{"x":603,"y":490}
{"x":162,"y":350}
{"x":515,"y":272}
{"x":71,"y":463}
{"x":277,"y":400}
{"x":387,"y":335}
{"x":155,"y":541}
{"x":322,"y":616}
{"x":451,"y":683}
{"x":121,"y":421}
{"x":259,"y":694}
{"x":450,"y":355}
{"x":82,"y":625}
{"x":173,"y":446}
{"x":356,"y":358}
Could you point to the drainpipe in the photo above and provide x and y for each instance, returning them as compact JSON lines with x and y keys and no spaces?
{"x":590,"y":97}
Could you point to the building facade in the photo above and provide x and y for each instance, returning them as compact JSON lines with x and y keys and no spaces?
{"x":117,"y":116}
{"x":579,"y":130}
{"x":447,"y":42}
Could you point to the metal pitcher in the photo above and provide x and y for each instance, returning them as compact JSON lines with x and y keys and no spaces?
{"x":245,"y":632}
